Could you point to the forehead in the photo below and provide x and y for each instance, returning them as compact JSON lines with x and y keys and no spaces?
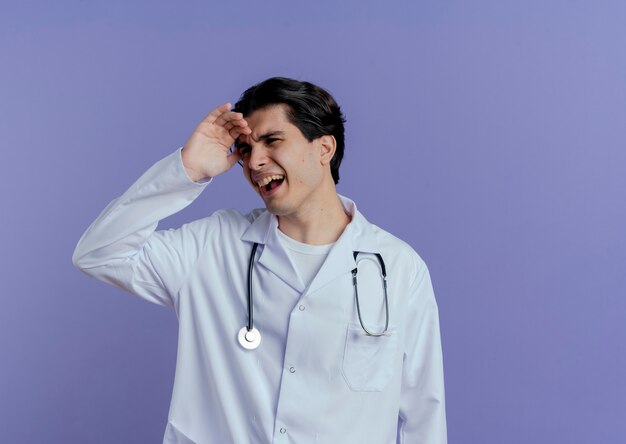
{"x":271,"y":118}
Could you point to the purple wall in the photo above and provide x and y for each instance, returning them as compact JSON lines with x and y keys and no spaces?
{"x":490,"y":135}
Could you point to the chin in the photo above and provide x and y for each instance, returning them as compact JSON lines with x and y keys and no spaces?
{"x":277,"y":209}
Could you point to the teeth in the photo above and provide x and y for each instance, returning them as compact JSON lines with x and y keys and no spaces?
{"x":268,"y":179}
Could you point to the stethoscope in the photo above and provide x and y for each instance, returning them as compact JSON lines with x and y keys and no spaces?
{"x":250,"y":338}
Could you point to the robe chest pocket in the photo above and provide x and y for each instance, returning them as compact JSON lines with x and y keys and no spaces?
{"x":369,"y":361}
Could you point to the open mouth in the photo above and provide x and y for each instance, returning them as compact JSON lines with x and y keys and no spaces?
{"x":268,"y":185}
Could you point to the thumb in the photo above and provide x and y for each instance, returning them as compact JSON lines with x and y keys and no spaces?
{"x":233,"y":158}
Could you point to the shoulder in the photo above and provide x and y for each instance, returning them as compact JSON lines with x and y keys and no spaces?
{"x":393,"y":249}
{"x":400,"y":257}
{"x":406,"y":270}
{"x":396,"y":246}
{"x":226,"y":219}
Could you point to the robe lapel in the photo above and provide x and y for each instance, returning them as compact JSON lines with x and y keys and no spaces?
{"x":273,"y":255}
{"x":358,"y":236}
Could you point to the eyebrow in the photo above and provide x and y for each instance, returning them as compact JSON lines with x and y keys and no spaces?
{"x":261,"y":138}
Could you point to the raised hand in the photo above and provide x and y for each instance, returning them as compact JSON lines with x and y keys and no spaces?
{"x":206,"y":153}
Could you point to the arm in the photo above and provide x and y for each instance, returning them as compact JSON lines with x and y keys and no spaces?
{"x":121,"y":246}
{"x":422,"y":417}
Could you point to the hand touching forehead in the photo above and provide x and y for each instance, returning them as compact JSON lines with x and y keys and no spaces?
{"x":265,"y":122}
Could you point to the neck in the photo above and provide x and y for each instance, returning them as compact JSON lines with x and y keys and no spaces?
{"x":318,"y":224}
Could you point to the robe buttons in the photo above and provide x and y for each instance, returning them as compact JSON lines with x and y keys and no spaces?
{"x":283,"y":430}
{"x":301,"y":308}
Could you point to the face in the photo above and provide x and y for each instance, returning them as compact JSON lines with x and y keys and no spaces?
{"x":284,"y":168}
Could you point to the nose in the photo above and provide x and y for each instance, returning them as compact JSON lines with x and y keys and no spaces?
{"x":258,"y":157}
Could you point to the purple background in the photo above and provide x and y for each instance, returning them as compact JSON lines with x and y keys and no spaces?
{"x":490,"y":135}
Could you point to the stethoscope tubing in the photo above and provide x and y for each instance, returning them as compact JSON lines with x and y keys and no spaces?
{"x":250,"y":325}
{"x":356,"y":295}
{"x":250,"y":304}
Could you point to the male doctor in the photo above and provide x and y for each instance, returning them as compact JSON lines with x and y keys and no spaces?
{"x":298,"y":323}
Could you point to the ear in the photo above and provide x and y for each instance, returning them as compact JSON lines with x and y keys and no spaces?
{"x":327,"y":146}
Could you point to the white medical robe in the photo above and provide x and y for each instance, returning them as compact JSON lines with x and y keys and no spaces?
{"x":316,"y":377}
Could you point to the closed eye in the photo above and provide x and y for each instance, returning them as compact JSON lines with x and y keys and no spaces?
{"x":244,"y":149}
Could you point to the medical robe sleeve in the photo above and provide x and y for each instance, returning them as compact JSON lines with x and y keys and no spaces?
{"x":122,"y":248}
{"x":422,"y":417}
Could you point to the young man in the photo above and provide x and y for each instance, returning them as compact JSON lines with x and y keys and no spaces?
{"x":298,"y":323}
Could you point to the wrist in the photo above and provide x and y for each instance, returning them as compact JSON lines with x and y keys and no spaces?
{"x":191,"y":167}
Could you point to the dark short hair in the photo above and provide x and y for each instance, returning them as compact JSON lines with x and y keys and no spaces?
{"x":310,"y":108}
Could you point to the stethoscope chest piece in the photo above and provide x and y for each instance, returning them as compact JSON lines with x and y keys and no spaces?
{"x":249,"y":339}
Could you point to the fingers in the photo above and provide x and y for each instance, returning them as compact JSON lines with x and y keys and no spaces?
{"x":213,"y":115}
{"x":222,"y":116}
{"x":222,"y":121}
{"x":235,"y":124}
{"x":237,"y":128}
{"x":237,"y":131}
{"x":230,"y":117}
